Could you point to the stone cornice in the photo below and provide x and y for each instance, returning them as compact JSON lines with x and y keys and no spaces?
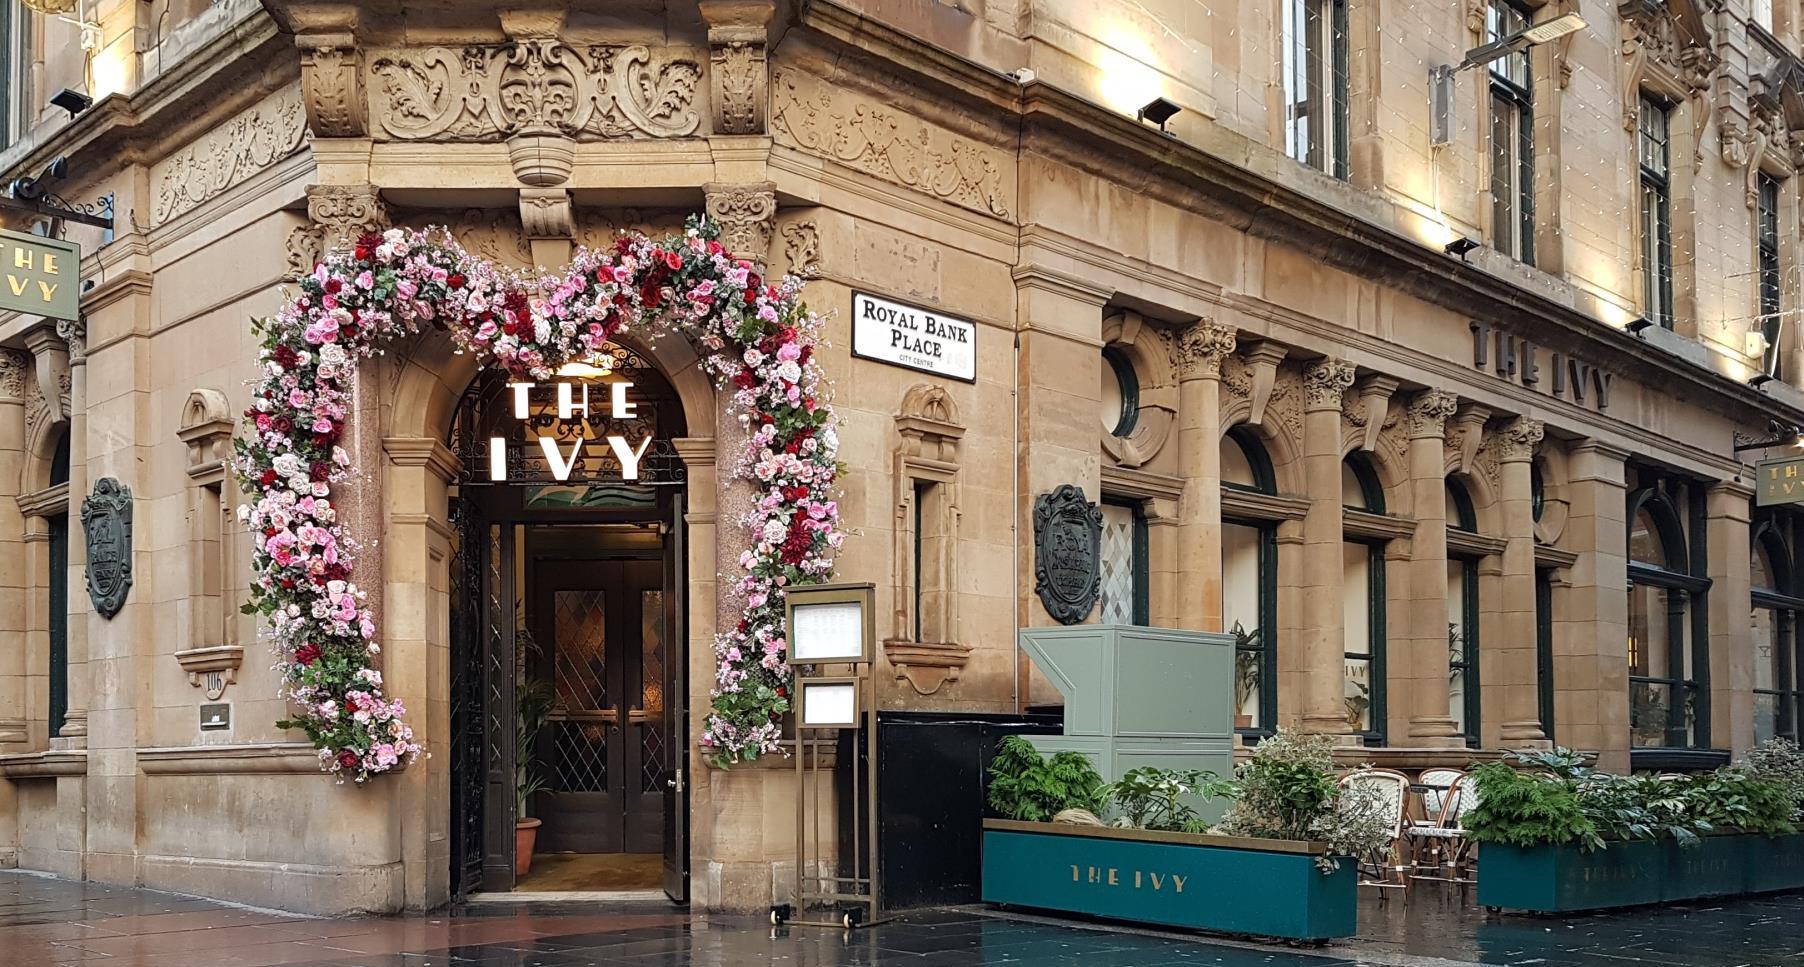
{"x":1227,"y":179}
{"x":264,"y":758}
{"x":44,"y":765}
{"x":423,"y":452}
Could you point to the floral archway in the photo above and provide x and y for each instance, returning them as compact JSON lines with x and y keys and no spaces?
{"x":754,"y":336}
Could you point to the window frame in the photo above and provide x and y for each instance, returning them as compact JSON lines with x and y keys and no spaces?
{"x":1788,"y":636}
{"x":1324,"y":78}
{"x":1656,"y":220}
{"x":1140,"y":563}
{"x":1687,"y":631}
{"x":1544,"y":691}
{"x":1769,"y":280}
{"x":1468,"y":662}
{"x":56,"y":587}
{"x":1264,"y":482}
{"x":1512,"y":102}
{"x":1372,"y":492}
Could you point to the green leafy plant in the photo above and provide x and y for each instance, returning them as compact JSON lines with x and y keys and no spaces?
{"x":1246,"y":666}
{"x":533,"y":701}
{"x":1284,"y":787}
{"x":1151,"y":798}
{"x":1527,"y":809}
{"x":1361,"y":824}
{"x":1028,"y":786}
{"x":1738,"y":799}
{"x":1626,"y":808}
{"x":1780,"y":761}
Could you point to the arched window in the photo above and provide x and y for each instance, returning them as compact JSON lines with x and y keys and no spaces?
{"x":1462,"y":619}
{"x":56,"y":585}
{"x":1249,"y":573}
{"x":1362,"y":606}
{"x":1773,"y":617}
{"x":1664,"y":670}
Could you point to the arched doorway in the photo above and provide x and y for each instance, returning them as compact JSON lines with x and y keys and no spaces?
{"x":568,"y":650}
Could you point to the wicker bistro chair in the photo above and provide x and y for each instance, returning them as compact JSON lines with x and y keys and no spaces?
{"x":1447,"y":837}
{"x":1387,"y":871}
{"x":1432,"y":790}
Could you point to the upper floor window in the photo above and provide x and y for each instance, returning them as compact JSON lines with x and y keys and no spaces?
{"x":1654,"y":153}
{"x":1512,"y":137}
{"x":1315,"y":84}
{"x":1760,"y":13}
{"x":15,"y":64}
{"x":1766,"y":257}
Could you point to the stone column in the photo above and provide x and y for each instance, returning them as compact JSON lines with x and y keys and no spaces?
{"x":1591,"y":642}
{"x":1510,"y":663}
{"x":1323,"y":635}
{"x":1731,"y":718}
{"x":74,"y":733}
{"x":1424,"y":661}
{"x":15,"y":579}
{"x":1201,"y":350}
{"x":746,"y":214}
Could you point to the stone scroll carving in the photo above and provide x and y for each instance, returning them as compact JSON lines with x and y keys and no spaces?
{"x":1067,"y":553}
{"x":534,"y":86}
{"x":247,"y":144}
{"x":887,"y":144}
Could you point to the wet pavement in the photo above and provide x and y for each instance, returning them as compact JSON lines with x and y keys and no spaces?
{"x":45,"y":922}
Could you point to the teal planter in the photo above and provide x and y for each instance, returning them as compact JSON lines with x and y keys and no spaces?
{"x":1264,"y":888}
{"x":1563,"y":879}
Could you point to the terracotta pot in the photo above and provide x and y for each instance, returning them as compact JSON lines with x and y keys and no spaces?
{"x":526,"y":833}
{"x":1243,"y":721}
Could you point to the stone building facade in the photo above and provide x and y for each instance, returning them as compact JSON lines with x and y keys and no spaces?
{"x":1450,"y":505}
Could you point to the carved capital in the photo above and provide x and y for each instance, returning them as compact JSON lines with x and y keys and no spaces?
{"x":1201,"y":349}
{"x":332,"y":86}
{"x":746,"y":214}
{"x":346,"y":211}
{"x":739,"y":78}
{"x":13,"y":365}
{"x":545,"y":213}
{"x":1324,"y":382}
{"x":1429,"y":411}
{"x":1515,"y":441}
{"x":75,"y":336}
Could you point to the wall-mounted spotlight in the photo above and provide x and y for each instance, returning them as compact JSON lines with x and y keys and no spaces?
{"x":1639,"y":325}
{"x":1441,"y":76}
{"x":71,"y":100}
{"x":1460,"y":247}
{"x":1760,"y":379}
{"x":1158,"y":111}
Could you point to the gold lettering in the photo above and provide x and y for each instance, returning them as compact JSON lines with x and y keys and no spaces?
{"x":1791,"y":471}
{"x":23,"y":258}
{"x":1157,"y":882}
{"x":1136,"y":879}
{"x":16,"y":283}
{"x":1112,"y":880}
{"x":46,"y":288}
{"x":1074,"y":873}
{"x":1095,"y":875}
{"x":1177,"y":883}
{"x":50,"y":264}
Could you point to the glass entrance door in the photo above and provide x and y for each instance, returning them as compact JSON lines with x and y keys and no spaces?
{"x":599,"y":645}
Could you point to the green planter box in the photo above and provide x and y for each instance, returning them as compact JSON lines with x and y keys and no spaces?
{"x":1562,"y":879}
{"x":1265,"y":888}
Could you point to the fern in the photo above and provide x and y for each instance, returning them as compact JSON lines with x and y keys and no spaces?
{"x":1522,"y":809}
{"x":1027,"y":786}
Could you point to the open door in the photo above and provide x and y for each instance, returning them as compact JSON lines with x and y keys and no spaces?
{"x":676,"y":703}
{"x":500,"y":618}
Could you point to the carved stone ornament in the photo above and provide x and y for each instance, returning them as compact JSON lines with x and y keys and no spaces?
{"x":863,"y":135}
{"x":1067,"y":553}
{"x":802,"y":247}
{"x":1429,"y":412}
{"x":1516,"y":441}
{"x":746,"y":214}
{"x":1201,"y":349}
{"x":1669,"y":42}
{"x":75,"y":336}
{"x":13,"y":365}
{"x":251,"y":142}
{"x":346,"y":211}
{"x":1324,"y":382}
{"x":332,"y":81}
{"x":534,"y":86}
{"x":106,"y":520}
{"x":51,"y":6}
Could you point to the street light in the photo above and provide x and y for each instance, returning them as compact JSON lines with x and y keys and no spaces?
{"x":1441,"y":77}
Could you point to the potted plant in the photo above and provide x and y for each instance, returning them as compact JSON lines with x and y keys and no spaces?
{"x":1556,"y":836}
{"x":1246,"y":673}
{"x":532,"y":705}
{"x":1271,"y":868}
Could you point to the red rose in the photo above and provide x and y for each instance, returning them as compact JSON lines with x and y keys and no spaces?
{"x":348,"y":759}
{"x":282,"y":424}
{"x":807,"y":353}
{"x":307,"y":654}
{"x":651,"y":296}
{"x":745,"y":379}
{"x":753,"y":283}
{"x":267,"y":478}
{"x":319,"y":471}
{"x":287,"y":584}
{"x":456,"y":280}
{"x":333,"y":285}
{"x":673,"y":260}
{"x":286,"y":357}
{"x":715,"y":248}
{"x":782,"y":692}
